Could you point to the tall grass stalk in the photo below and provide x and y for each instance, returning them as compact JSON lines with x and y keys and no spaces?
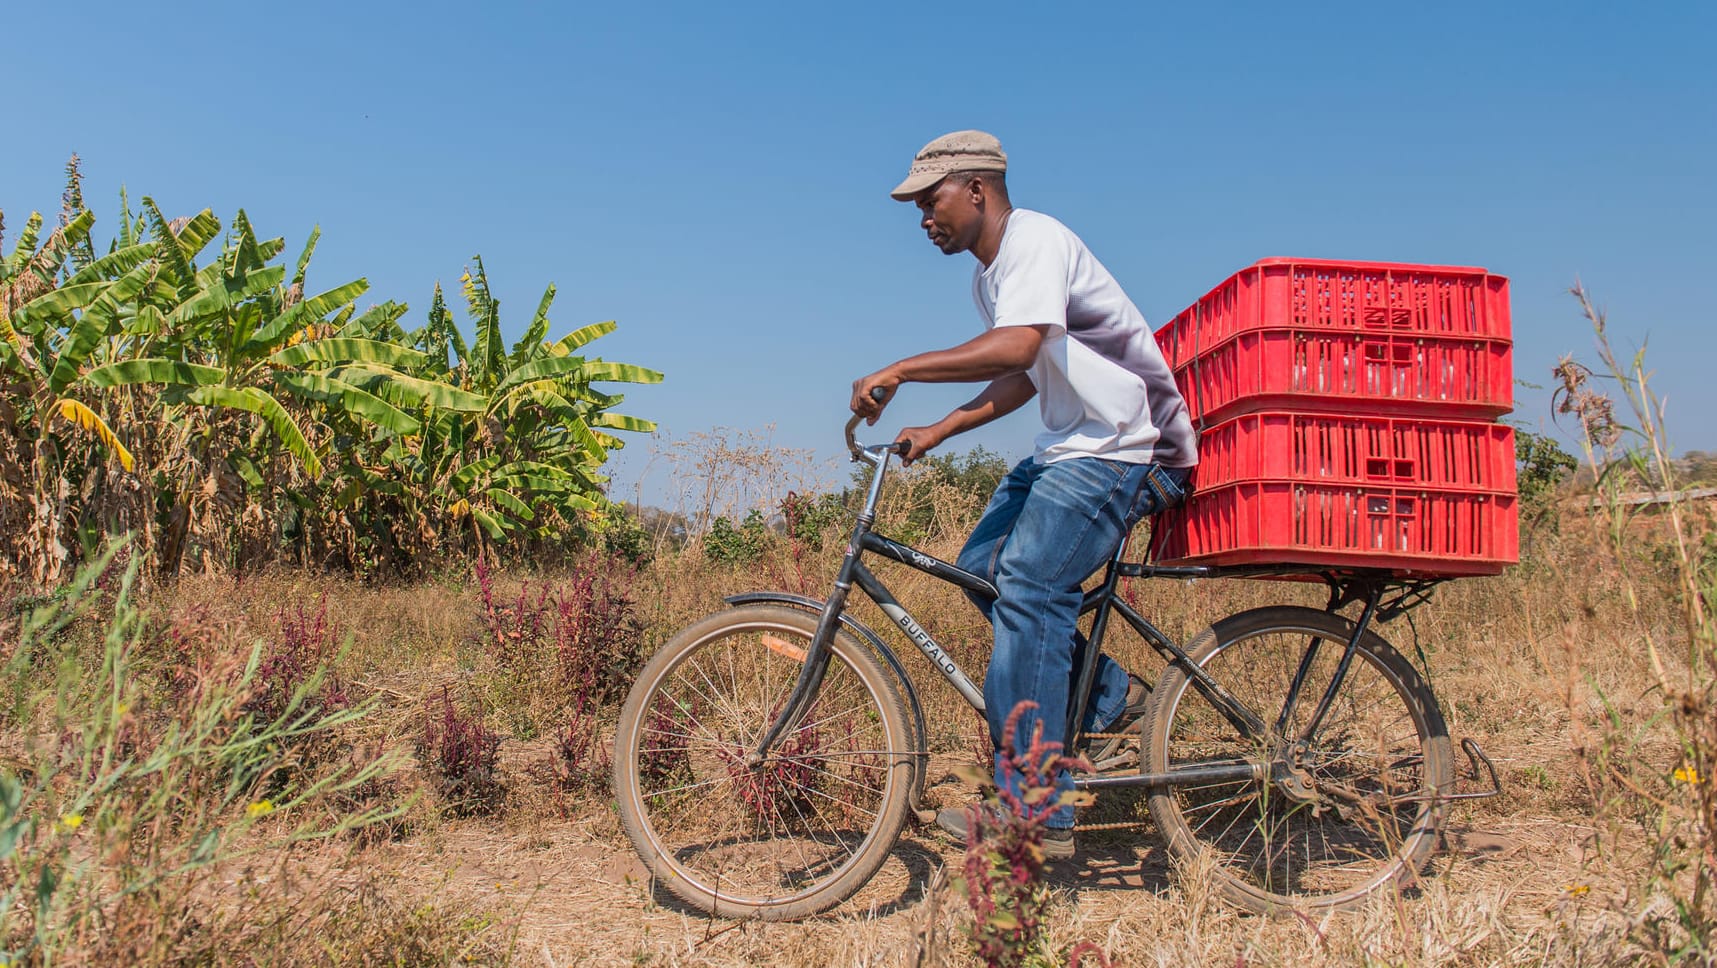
{"x":1668,"y":786}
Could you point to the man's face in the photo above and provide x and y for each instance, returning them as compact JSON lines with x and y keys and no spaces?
{"x":949,"y":213}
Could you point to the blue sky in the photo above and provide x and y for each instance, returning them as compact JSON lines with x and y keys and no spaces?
{"x":714,"y":176}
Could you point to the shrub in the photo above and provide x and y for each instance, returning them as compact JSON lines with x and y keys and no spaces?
{"x":939,"y":496}
{"x":581,"y":761}
{"x":598,"y":639}
{"x":1003,"y":870}
{"x":737,"y":544}
{"x":580,"y":642}
{"x":619,"y":532}
{"x":307,"y":642}
{"x":462,"y":754}
{"x":1542,"y":468}
{"x":668,"y":758}
{"x":809,"y":519}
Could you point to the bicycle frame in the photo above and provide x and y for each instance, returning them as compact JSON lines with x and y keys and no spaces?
{"x":1103,"y":601}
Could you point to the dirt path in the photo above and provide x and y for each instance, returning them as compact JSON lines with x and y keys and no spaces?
{"x":577,"y":895}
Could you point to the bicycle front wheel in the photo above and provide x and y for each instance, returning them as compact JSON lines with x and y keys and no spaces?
{"x":784,"y":839}
{"x":1331,"y":817}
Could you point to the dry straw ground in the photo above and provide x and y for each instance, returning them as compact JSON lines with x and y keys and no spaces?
{"x":544,"y":876}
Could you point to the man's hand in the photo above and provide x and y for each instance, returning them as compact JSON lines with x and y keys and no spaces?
{"x":921,"y":441}
{"x":867,"y":406}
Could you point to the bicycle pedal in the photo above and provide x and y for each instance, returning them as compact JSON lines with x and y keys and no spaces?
{"x":1120,"y":761}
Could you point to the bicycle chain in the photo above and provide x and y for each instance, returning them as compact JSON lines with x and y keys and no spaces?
{"x":1120,"y":825}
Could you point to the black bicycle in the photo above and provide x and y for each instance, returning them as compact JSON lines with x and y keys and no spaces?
{"x":767,"y":757}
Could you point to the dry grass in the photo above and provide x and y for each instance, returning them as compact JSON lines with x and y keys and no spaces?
{"x":549,"y":879}
{"x":1542,"y":875}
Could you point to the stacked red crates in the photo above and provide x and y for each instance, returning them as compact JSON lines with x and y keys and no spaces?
{"x":1345,"y":413}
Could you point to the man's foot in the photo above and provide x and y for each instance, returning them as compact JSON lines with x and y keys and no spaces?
{"x":1124,"y":731}
{"x":1057,"y":841}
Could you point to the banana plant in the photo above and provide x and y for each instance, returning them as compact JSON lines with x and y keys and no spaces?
{"x":241,"y":339}
{"x":162,"y":388}
{"x":48,"y":329}
{"x":535,"y":445}
{"x":57,"y":304}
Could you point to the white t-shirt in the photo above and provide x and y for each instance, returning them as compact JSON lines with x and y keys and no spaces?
{"x":1103,"y":386}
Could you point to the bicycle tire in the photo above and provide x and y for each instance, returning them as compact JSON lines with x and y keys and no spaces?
{"x":811,"y":826}
{"x":1378,"y":763}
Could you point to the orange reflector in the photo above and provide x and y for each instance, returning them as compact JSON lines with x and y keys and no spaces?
{"x":781,"y":646}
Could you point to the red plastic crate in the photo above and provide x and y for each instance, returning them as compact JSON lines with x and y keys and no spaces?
{"x":1307,"y":332}
{"x":1333,"y":448}
{"x":1326,"y":294}
{"x":1409,"y":530}
{"x":1276,"y":368}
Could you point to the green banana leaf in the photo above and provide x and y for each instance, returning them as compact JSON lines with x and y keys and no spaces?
{"x":533,"y":337}
{"x":168,"y":251}
{"x":269,"y":409}
{"x":94,"y":324}
{"x":198,"y":232}
{"x":508,"y":500}
{"x":463,"y":479}
{"x":304,"y":256}
{"x":370,"y":407}
{"x":269,"y":248}
{"x":402,"y":390}
{"x":618,"y":421}
{"x":245,"y":468}
{"x":305,"y":313}
{"x":346,"y":349}
{"x":490,"y":524}
{"x":377,"y":322}
{"x":25,"y":249}
{"x":53,"y":309}
{"x":579,"y":337}
{"x":216,"y":294}
{"x":46,"y":264}
{"x":155,"y":371}
{"x":620,"y":372}
{"x":115,"y":263}
{"x":545,"y":368}
{"x":485,"y":312}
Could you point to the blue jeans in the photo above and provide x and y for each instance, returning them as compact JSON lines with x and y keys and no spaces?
{"x":1046,"y":530}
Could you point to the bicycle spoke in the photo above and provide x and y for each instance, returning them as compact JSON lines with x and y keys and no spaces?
{"x":830,"y":718}
{"x":807,"y":812}
{"x":706,"y":734}
{"x":682,"y":789}
{"x":1333,"y":819}
{"x":732,"y":711}
{"x":1219,"y":804}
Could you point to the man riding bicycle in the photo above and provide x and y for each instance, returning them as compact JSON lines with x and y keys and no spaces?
{"x":1118,"y":442}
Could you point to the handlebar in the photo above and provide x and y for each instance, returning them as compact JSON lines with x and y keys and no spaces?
{"x":897,"y":447}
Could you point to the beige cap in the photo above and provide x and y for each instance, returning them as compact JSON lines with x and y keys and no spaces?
{"x":959,"y":151}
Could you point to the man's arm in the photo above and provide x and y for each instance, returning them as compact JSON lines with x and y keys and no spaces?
{"x":1001,"y":352}
{"x":999,"y":399}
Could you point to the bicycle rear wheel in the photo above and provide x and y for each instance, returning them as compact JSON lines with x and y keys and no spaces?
{"x":790,"y":837}
{"x":1348,"y":811}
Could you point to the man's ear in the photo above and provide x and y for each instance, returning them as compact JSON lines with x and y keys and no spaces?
{"x":978,"y":188}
